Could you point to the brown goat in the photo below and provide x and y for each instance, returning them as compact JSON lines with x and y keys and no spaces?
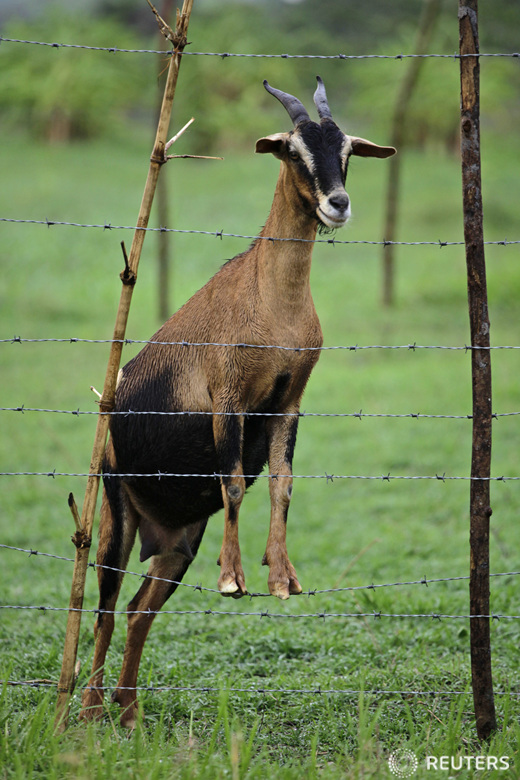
{"x":260,"y":298}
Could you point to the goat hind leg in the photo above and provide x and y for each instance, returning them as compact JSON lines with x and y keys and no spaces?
{"x":169,"y":568}
{"x":116,"y":537}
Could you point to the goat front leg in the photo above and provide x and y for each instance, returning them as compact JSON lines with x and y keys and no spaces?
{"x":282,"y":579}
{"x":228,"y":428}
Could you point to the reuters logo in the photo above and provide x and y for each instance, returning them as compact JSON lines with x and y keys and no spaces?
{"x":403,"y":763}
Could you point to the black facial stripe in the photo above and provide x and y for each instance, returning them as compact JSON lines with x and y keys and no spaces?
{"x":325,"y":143}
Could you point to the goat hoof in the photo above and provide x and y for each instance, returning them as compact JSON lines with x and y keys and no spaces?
{"x":282,"y":589}
{"x":228,"y":586}
{"x":92,"y":705}
{"x":128,"y":718}
{"x":129,"y":707}
{"x":91,"y":713}
{"x":237,"y":595}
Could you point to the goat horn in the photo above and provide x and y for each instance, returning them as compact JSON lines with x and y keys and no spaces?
{"x":293,"y":106}
{"x":320,"y":100}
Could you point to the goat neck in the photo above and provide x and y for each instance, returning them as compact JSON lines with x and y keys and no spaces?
{"x":284,"y":266}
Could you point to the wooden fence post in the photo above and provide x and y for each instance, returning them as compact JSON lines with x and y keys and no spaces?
{"x":83,"y":535}
{"x":480,"y":509}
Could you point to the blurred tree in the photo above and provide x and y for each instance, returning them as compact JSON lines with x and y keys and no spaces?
{"x":67,"y":94}
{"x":433,"y":115}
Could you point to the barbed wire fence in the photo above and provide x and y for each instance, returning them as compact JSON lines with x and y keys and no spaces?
{"x":264,"y":614}
{"x":53,"y":473}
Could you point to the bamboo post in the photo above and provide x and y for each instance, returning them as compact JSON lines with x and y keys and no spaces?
{"x":480,"y":509}
{"x":163,"y":207}
{"x":83,"y":536}
{"x":407,"y":88}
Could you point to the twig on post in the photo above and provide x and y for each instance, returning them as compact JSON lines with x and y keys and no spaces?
{"x":185,"y":156}
{"x":192,"y":157}
{"x":178,"y":135}
{"x":66,"y":682}
{"x":75,"y":514}
{"x":127,"y":276}
{"x":164,"y":27}
{"x":480,"y":509}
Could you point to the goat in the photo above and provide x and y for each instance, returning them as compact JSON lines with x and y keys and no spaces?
{"x":261,"y":297}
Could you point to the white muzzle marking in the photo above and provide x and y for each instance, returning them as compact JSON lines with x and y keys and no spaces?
{"x":333,"y":216}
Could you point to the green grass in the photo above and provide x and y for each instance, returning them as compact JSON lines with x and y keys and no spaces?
{"x":62,"y":282}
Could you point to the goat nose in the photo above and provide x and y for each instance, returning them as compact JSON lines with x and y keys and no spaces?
{"x":339,"y":201}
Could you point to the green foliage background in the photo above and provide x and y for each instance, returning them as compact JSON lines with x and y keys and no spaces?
{"x":63,"y":99}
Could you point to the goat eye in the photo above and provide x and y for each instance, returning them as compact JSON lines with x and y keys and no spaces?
{"x":294,"y":155}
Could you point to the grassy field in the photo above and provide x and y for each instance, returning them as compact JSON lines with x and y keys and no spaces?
{"x":354,"y":688}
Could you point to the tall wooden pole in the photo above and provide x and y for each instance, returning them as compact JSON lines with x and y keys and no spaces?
{"x":82,"y":537}
{"x":480,"y":509}
{"x":397,"y":139}
{"x":164,"y":241}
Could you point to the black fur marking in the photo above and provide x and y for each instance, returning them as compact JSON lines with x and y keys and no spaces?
{"x":274,"y":401}
{"x":285,"y":513}
{"x":232,"y":514}
{"x":291,"y":441}
{"x":325,"y":143}
{"x":109,"y":580}
{"x":229,"y":447}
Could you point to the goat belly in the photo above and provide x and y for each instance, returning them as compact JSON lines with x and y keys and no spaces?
{"x":168,"y":445}
{"x":181,"y":445}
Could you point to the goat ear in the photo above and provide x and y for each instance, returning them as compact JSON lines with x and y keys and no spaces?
{"x":272,"y":144}
{"x":363,"y":148}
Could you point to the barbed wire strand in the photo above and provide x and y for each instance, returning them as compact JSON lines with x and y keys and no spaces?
{"x":221,"y":234}
{"x":226,"y":55}
{"x":243,"y":345}
{"x":191,"y":413}
{"x":316,"y":691}
{"x":215,"y":475}
{"x":377,"y":615}
{"x":311,"y":592}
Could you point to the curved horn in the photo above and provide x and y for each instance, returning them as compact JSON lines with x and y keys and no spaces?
{"x":293,"y":106}
{"x":320,"y":100}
